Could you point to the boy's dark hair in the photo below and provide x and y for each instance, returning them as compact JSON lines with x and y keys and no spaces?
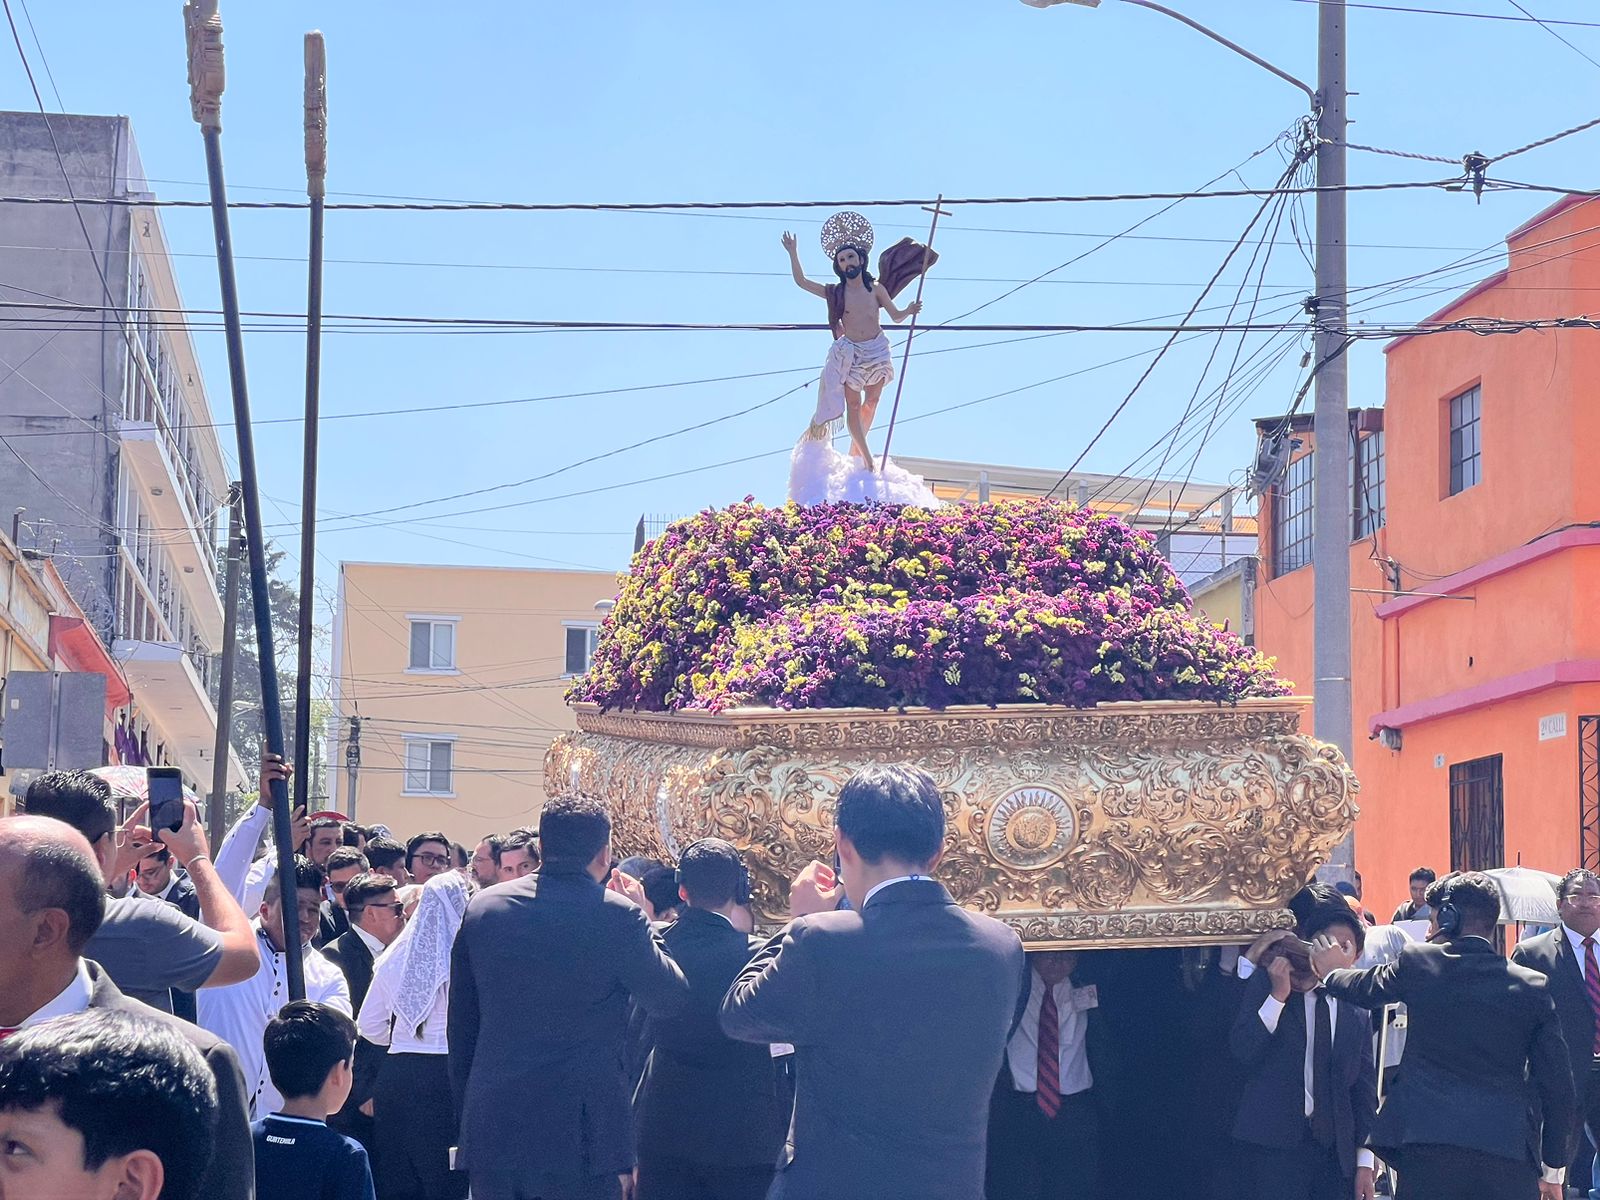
{"x":384,"y":852}
{"x":661,"y":889}
{"x":496,"y":843}
{"x":1426,"y":874}
{"x":80,"y":799}
{"x":160,"y":854}
{"x":638,"y":866}
{"x":1477,"y":899}
{"x":304,"y":1042}
{"x":327,"y":823}
{"x":573,"y":830}
{"x":363,"y":889}
{"x":1310,"y":899}
{"x":307,"y":877}
{"x":354,"y":834}
{"x":463,"y":856}
{"x":524,"y":837}
{"x":415,"y":843}
{"x":709,"y":870}
{"x":58,"y":875}
{"x":1434,"y":895}
{"x":892,"y":811}
{"x":344,"y":856}
{"x":124,"y":1084}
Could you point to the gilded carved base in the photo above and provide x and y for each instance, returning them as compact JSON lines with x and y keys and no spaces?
{"x":1161,"y":823}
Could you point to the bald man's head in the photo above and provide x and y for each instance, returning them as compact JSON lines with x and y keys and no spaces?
{"x":47,"y":866}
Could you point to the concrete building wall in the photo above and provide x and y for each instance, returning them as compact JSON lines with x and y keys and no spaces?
{"x":1490,"y":646}
{"x":497,"y":706}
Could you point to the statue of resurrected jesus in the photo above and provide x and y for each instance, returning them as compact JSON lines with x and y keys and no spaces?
{"x":858,"y":365}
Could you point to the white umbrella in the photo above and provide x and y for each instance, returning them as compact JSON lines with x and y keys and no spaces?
{"x":1527,"y":896}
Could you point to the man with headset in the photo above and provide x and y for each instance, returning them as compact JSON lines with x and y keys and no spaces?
{"x":707,"y":1116}
{"x":1483,"y":1040}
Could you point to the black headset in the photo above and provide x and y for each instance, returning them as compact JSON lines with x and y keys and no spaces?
{"x":741,"y":890}
{"x":1449,"y":915}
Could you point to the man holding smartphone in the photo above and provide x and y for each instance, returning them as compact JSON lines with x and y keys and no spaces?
{"x":149,"y":949}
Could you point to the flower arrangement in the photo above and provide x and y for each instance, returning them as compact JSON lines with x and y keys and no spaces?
{"x":883,"y":606}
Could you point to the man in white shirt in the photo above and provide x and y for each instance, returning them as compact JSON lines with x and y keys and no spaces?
{"x":1044,"y":1122}
{"x":239,"y":1014}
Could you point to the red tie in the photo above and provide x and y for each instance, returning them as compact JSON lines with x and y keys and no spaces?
{"x":1591,"y":985}
{"x":1048,"y":1094}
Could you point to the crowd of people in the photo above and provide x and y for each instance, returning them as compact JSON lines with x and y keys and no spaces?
{"x":535,"y":1020}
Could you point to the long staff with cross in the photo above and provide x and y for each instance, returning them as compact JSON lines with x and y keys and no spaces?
{"x":911,"y":330}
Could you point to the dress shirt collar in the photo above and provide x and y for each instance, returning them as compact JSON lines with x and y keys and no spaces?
{"x":867,"y":899}
{"x":73,"y":998}
{"x":370,"y":942}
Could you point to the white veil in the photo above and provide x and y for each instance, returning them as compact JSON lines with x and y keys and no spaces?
{"x":420,"y":956}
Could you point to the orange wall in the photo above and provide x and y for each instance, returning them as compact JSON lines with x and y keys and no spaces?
{"x":1540,"y":438}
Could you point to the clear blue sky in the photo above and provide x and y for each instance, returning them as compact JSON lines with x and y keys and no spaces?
{"x":627,"y":101}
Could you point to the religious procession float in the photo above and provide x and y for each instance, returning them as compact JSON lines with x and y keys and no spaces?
{"x":1118,"y":772}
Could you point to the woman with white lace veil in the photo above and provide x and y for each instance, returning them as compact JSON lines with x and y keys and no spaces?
{"x":405,"y":1010}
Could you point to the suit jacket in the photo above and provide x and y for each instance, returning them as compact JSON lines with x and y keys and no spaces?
{"x":1551,"y":955}
{"x":705,"y":1097}
{"x":184,"y":898}
{"x":1272,"y":1103}
{"x":1483,"y":1044}
{"x":899,"y":1015}
{"x":539,"y":985}
{"x":350,"y":954}
{"x":231,"y":1173}
{"x":333,"y":923}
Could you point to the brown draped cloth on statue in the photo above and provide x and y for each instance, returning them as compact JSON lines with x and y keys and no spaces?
{"x":897,"y":266}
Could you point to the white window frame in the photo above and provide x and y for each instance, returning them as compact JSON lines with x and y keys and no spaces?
{"x":435,"y":619}
{"x":428,"y":740}
{"x":594,"y":640}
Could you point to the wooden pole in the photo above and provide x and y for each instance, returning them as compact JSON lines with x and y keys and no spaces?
{"x":911,"y":330}
{"x":203,"y":25}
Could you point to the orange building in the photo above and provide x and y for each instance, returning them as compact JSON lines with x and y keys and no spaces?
{"x":1475,"y":569}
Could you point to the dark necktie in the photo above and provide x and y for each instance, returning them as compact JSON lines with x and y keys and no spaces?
{"x":1322,"y":1073}
{"x":1591,"y":986}
{"x":1048,"y":1094}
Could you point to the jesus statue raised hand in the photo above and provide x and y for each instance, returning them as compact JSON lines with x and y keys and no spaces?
{"x":858,"y":366}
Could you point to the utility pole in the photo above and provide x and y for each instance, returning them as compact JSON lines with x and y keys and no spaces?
{"x":1331,"y":414}
{"x":217,"y":824}
{"x":352,"y":764}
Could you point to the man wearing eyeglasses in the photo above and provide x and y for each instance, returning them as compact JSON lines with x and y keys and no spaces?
{"x":427,"y":855}
{"x":376,"y":919}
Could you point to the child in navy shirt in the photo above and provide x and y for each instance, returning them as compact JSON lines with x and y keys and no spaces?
{"x":310,"y":1050}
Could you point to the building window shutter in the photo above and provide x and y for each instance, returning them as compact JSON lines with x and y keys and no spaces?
{"x":417,"y":767}
{"x":577,"y":651}
{"x":444,"y":647}
{"x":421,"y":645}
{"x":439,"y":773}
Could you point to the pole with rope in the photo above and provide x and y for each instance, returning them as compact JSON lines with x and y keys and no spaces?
{"x":911,"y":330}
{"x":203,"y":27}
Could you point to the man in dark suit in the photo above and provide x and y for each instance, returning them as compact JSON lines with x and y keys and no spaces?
{"x":162,"y":879}
{"x":1483,"y":1042}
{"x":1567,"y":958}
{"x":539,"y":984}
{"x":51,"y":902}
{"x":375,"y":915}
{"x":1311,"y":1087}
{"x":344,"y":864}
{"x":1044,"y":1120}
{"x":898,"y":1009}
{"x":707,"y":1110}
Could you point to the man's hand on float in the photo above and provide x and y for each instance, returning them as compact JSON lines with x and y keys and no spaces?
{"x":816,"y":889}
{"x":1281,"y":972}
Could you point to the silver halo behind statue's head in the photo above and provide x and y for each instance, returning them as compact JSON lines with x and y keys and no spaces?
{"x":846,"y":228}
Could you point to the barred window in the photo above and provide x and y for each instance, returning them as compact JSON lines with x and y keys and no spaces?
{"x":1292,"y":521}
{"x":1366,"y":487}
{"x":1466,"y":440}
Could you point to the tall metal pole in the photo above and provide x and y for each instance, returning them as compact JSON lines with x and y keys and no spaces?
{"x":206,"y":82}
{"x":1331,"y":419}
{"x":316,"y":101}
{"x":230,"y":654}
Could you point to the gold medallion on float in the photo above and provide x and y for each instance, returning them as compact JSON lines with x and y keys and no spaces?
{"x":1030,"y":827}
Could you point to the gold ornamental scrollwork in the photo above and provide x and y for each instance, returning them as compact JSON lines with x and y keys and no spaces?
{"x":1125,"y":825}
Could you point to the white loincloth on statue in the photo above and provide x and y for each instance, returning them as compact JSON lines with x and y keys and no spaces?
{"x":818,"y":473}
{"x":853,"y":365}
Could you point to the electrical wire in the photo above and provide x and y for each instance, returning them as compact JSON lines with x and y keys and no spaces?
{"x":1551,"y":30}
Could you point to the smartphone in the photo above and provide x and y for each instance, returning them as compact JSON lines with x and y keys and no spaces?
{"x":164,"y":791}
